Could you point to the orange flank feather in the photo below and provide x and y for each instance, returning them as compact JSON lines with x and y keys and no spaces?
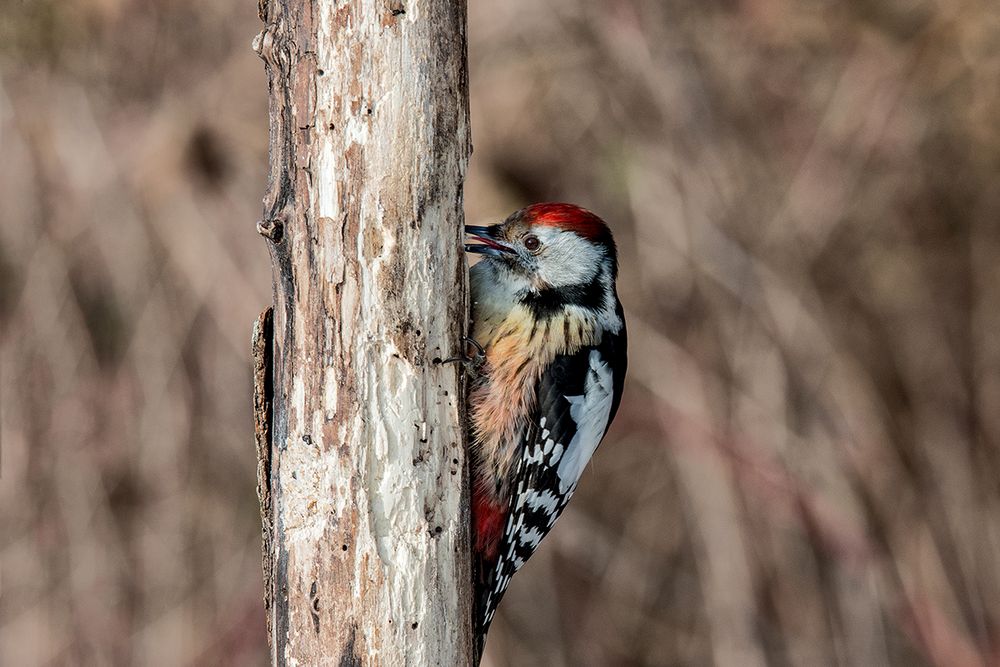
{"x":518,"y":349}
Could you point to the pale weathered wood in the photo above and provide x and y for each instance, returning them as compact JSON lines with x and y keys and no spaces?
{"x":368,"y":513}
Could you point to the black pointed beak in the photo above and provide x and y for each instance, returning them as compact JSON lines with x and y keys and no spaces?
{"x":490,"y":245}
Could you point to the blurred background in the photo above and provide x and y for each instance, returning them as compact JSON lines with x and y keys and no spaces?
{"x":806,"y":467}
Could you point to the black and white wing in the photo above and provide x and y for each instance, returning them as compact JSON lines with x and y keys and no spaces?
{"x":578,"y":397}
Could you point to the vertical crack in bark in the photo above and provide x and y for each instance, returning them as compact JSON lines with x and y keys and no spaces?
{"x":314,"y":604}
{"x":349,"y":655}
{"x":263,"y":393}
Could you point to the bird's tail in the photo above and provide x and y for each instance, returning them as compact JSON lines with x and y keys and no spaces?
{"x":481,"y":576}
{"x":487,"y":597}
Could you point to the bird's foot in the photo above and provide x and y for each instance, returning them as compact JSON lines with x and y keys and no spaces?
{"x":479,"y":356}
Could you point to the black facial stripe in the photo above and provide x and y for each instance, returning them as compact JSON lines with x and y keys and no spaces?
{"x":548,"y":302}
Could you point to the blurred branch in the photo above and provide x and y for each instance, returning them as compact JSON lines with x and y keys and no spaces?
{"x":701,"y":453}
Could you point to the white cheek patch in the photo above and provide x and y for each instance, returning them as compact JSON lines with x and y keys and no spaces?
{"x":567,"y":259}
{"x":591,"y":412}
{"x":495,"y":275}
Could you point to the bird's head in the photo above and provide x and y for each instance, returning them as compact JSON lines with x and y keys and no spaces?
{"x":549,"y":246}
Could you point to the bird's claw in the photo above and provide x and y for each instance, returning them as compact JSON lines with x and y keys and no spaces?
{"x":464,"y":359}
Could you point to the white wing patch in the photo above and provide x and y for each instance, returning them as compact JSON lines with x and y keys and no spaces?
{"x":530,"y":537}
{"x":590,"y":412}
{"x":541,"y":500}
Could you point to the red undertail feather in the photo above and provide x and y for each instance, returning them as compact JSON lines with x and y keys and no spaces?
{"x":488,"y":517}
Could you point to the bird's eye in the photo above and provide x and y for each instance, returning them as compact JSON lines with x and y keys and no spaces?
{"x":531,"y":242}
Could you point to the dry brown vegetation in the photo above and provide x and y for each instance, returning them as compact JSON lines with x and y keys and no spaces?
{"x":806,"y":468}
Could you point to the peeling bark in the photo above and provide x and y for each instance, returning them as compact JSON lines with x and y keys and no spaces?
{"x":368,"y":526}
{"x":263,"y":364}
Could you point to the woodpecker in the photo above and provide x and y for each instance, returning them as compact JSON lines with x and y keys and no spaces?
{"x":547,"y":317}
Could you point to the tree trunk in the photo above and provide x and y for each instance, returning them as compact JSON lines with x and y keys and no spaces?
{"x":363,"y":474}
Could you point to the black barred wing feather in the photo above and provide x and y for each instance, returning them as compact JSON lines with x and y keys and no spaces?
{"x":577,"y":399}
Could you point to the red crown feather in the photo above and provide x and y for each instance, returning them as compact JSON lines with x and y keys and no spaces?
{"x":569,"y":217}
